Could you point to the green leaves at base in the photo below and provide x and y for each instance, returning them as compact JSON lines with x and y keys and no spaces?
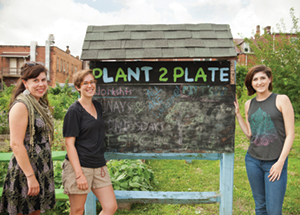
{"x":130,"y":175}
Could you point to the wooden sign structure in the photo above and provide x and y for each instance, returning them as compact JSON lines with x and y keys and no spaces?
{"x":165,"y":107}
{"x":169,"y":110}
{"x":158,"y":106}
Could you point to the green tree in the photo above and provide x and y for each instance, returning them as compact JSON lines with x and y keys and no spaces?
{"x":5,"y":95}
{"x":281,"y":53}
{"x":241,"y":72}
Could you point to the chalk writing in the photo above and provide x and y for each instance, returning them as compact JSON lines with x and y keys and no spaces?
{"x":156,"y":100}
{"x":166,"y":106}
{"x":142,"y":140}
{"x":162,"y":72}
{"x":209,"y":90}
{"x":119,"y":91}
{"x":98,"y":73}
{"x":119,"y":126}
{"x":116,"y":106}
{"x":139,"y":108}
{"x":205,"y":93}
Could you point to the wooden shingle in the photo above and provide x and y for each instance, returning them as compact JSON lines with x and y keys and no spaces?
{"x":161,"y":41}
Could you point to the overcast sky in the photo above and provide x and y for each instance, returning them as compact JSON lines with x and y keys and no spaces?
{"x":23,"y":21}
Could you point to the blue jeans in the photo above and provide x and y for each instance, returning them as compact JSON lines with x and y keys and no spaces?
{"x":268,"y":196}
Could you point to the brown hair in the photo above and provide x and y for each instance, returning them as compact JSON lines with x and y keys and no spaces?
{"x":252,"y":72}
{"x":79,"y":76}
{"x":28,"y":72}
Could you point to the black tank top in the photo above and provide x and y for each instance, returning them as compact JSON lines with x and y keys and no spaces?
{"x":267,"y":127}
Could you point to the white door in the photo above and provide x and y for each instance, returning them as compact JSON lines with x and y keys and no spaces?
{"x":13,"y":65}
{"x":21,"y":61}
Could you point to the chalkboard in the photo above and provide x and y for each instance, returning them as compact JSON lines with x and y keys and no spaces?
{"x":166,"y":106}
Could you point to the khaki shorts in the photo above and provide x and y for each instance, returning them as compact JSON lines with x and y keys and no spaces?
{"x":96,"y":178}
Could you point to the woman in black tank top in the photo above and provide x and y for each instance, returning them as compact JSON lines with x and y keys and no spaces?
{"x":270,"y":127}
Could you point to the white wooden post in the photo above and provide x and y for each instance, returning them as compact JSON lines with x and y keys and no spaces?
{"x":226,"y":183}
{"x":90,"y":204}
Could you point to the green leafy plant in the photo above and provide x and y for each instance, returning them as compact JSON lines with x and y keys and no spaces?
{"x":130,"y":175}
{"x":63,"y":206}
{"x":58,"y":141}
{"x":241,"y":72}
{"x":59,"y":90}
{"x":60,"y":98}
{"x":5,"y":95}
{"x":4,"y":128}
{"x":57,"y":174}
{"x":3,"y":170}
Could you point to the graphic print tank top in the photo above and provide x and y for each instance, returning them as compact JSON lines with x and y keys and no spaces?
{"x":267,"y":127}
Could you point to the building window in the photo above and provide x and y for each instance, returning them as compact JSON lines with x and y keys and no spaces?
{"x":61,"y":65}
{"x":75,"y":69}
{"x":246,"y":48}
{"x":57,"y":64}
{"x":67,"y":68}
{"x":294,"y":40}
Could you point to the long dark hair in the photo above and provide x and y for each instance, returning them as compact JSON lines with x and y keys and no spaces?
{"x":28,"y":72}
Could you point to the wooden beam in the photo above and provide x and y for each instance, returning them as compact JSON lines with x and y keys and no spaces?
{"x":60,"y":156}
{"x":160,"y":197}
{"x":155,"y":197}
{"x":163,"y":156}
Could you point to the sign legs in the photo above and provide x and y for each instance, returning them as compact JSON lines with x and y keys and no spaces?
{"x":226,"y":183}
{"x":90,"y":204}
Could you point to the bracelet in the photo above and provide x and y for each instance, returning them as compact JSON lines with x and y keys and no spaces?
{"x":78,"y":176}
{"x":29,"y":175}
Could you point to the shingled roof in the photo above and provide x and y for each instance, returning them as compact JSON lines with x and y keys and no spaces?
{"x":120,"y":42}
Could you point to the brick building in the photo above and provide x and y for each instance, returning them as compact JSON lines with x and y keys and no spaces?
{"x":60,"y":64}
{"x":243,"y":50}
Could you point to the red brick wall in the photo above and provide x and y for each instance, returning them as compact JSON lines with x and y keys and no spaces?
{"x":56,"y":74}
{"x":62,"y":69}
{"x":40,"y":56}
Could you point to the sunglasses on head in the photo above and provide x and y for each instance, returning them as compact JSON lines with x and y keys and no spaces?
{"x":31,"y":63}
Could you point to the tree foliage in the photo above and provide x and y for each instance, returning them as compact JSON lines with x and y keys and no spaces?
{"x":281,"y":53}
{"x":241,"y":72}
{"x":60,"y":98}
{"x":4,"y":108}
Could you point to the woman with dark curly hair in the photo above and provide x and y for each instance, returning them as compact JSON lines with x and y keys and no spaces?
{"x":270,"y":127}
{"x":29,"y":183}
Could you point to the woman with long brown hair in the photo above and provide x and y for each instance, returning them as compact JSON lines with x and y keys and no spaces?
{"x":29,"y":183}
